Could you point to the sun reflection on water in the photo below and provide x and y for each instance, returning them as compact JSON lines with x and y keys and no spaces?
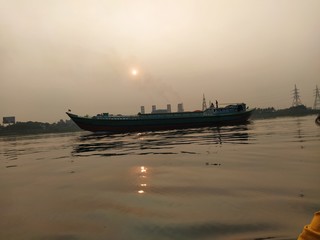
{"x":143,"y":185}
{"x":143,"y":169}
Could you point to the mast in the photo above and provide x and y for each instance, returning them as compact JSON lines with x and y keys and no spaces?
{"x":204,"y":104}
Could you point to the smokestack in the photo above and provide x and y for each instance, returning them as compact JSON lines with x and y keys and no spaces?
{"x":142,"y":110}
{"x":169,"y":108}
{"x":180,"y":107}
{"x":154,"y":108}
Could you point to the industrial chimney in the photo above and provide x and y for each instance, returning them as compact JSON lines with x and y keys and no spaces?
{"x":142,"y":110}
{"x":169,"y":108}
{"x":180,"y":107}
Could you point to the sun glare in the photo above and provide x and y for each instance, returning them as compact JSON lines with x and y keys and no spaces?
{"x":134,"y":72}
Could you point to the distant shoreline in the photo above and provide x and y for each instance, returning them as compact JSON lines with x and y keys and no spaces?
{"x":298,"y":111}
{"x":28,"y":128}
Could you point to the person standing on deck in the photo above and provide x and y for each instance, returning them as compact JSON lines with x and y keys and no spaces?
{"x":217,"y":103}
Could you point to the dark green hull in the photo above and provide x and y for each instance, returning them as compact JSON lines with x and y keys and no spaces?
{"x":152,"y":122}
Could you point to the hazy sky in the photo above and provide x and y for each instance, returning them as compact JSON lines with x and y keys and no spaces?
{"x":57,"y":55}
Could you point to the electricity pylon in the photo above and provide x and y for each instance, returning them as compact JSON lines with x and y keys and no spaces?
{"x":316,"y":104}
{"x":296,"y":98}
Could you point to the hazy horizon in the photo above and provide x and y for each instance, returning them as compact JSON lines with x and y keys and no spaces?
{"x":76,"y":54}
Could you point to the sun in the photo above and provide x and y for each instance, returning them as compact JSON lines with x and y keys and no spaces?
{"x":134,"y":72}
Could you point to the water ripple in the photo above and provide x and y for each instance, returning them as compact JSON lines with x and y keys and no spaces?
{"x":203,"y":230}
{"x":162,"y":142}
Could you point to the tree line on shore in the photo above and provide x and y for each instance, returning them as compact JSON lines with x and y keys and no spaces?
{"x":301,"y":110}
{"x":39,"y":127}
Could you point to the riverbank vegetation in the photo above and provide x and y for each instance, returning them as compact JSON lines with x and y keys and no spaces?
{"x":263,"y":113}
{"x":38,"y":127}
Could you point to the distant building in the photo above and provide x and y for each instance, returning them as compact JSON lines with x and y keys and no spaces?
{"x":9,"y":120}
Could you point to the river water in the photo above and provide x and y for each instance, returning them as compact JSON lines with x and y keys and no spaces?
{"x":256,"y":181}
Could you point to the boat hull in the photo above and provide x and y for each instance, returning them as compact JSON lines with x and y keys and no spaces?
{"x":141,"y":123}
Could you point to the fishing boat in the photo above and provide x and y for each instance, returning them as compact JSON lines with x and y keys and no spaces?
{"x":212,"y":116}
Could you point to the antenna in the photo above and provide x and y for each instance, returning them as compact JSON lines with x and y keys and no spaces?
{"x":204,"y":104}
{"x":316,"y":104}
{"x":296,"y":98}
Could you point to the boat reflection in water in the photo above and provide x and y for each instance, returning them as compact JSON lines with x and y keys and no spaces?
{"x":162,"y":142}
{"x":161,"y":148}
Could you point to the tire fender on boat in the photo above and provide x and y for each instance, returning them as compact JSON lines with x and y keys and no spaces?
{"x":317,"y":121}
